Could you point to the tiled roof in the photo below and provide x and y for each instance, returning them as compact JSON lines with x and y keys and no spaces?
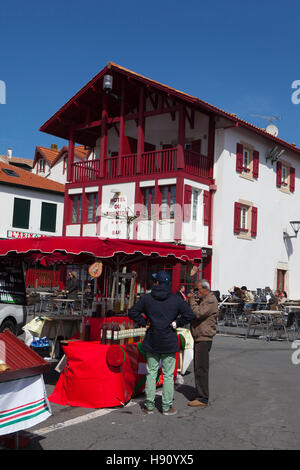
{"x":22,"y":361}
{"x":29,"y":179}
{"x":53,"y":127}
{"x":49,"y":154}
{"x":21,"y":161}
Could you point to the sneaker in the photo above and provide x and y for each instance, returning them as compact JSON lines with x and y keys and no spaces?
{"x":146,"y":411}
{"x":171,"y":411}
{"x":197,"y":403}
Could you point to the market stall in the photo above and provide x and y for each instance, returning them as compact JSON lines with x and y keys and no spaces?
{"x":92,"y":375}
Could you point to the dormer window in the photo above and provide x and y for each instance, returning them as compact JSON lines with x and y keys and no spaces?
{"x":41,"y":165}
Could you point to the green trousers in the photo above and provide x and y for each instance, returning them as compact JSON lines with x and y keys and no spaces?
{"x":168,"y":366}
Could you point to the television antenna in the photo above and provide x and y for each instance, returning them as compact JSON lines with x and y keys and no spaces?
{"x":271,"y":128}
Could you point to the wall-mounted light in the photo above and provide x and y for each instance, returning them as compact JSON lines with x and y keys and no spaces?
{"x":295,"y":224}
{"x":107,"y":87}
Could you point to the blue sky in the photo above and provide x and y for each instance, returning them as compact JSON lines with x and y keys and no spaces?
{"x":240,"y":57}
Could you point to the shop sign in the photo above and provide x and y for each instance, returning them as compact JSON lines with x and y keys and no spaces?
{"x":16,"y":234}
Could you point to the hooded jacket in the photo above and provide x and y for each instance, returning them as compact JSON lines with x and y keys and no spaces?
{"x":161,"y":307}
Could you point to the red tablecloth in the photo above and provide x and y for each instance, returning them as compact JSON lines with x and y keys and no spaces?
{"x":88,"y":380}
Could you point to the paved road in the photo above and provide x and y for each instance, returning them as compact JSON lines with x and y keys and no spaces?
{"x":254,"y":405}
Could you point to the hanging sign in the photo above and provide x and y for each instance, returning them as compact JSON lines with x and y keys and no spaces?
{"x":95,"y":270}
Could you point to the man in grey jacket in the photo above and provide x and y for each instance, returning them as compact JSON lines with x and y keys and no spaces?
{"x":203,"y":329}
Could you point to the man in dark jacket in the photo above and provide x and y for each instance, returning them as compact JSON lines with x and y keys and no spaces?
{"x":164,"y":312}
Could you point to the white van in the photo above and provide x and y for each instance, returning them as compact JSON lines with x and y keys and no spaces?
{"x":13,"y":304}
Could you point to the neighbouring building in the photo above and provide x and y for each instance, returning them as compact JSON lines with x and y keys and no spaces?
{"x":170,"y":167}
{"x":51,"y":163}
{"x":24,"y":163}
{"x":31,"y":206}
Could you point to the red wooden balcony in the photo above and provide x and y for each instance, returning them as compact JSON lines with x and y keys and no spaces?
{"x":157,"y":161}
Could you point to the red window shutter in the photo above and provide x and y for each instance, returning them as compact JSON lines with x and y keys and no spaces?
{"x":292,"y":179}
{"x":239,"y":157}
{"x":254,"y":222}
{"x":206,"y":208}
{"x":278,"y":174}
{"x":187,"y":203}
{"x":237,"y":218}
{"x":255,"y":163}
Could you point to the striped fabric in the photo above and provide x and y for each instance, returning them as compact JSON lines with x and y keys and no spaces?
{"x":23,"y":404}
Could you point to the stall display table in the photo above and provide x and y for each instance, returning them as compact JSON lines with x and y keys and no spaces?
{"x":90,"y":380}
{"x":23,"y":399}
{"x":101,"y":375}
{"x":53,"y":326}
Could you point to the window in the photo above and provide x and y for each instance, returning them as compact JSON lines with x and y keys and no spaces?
{"x":65,"y":164}
{"x":21,"y":213}
{"x":285,"y":177}
{"x":245,"y":220}
{"x":148,"y":203}
{"x":10,"y":172}
{"x":92,"y":207}
{"x":76,"y":209}
{"x":281,"y":279}
{"x":48,"y":217}
{"x":244,"y":226}
{"x":195,"y":197}
{"x":168,"y":201}
{"x":42,"y":165}
{"x":247,"y":161}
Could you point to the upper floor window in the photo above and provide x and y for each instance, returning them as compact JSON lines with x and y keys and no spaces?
{"x":285,"y":177}
{"x":247,"y":161}
{"x":65,"y":164}
{"x":168,"y":201}
{"x":92,"y":207}
{"x":195,"y":197}
{"x":148,"y":203}
{"x":48,"y":217}
{"x":21,"y":213}
{"x":245,"y":219}
{"x":42,"y":165}
{"x":76,"y":208}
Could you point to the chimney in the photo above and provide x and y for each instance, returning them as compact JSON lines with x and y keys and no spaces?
{"x":9,"y":152}
{"x":53,"y":147}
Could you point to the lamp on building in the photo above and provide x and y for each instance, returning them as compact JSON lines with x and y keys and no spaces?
{"x":295,"y":224}
{"x":107,"y":87}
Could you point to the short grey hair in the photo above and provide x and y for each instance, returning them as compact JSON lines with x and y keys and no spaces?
{"x":205,"y":284}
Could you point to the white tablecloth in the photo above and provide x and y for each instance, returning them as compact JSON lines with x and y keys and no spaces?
{"x":23,"y":404}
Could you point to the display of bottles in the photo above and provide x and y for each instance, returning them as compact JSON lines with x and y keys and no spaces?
{"x":115,"y":333}
{"x":120,"y":333}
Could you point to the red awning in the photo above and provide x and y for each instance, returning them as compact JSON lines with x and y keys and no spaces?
{"x":50,"y":250}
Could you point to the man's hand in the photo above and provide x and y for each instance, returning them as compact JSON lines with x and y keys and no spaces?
{"x":190,"y":295}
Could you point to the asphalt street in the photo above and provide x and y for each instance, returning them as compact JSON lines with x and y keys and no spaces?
{"x":253,"y":405}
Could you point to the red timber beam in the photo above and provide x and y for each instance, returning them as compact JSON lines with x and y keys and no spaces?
{"x":103,"y":138}
{"x":141,"y":130}
{"x":181,"y":138}
{"x":122,"y":130}
{"x":70,"y":155}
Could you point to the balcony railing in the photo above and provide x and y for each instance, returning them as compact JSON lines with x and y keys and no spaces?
{"x":157,"y":161}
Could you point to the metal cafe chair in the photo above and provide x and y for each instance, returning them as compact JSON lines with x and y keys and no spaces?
{"x":277,"y":324}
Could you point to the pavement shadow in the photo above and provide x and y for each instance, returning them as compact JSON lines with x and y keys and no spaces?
{"x":187,"y":391}
{"x":51,"y":377}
